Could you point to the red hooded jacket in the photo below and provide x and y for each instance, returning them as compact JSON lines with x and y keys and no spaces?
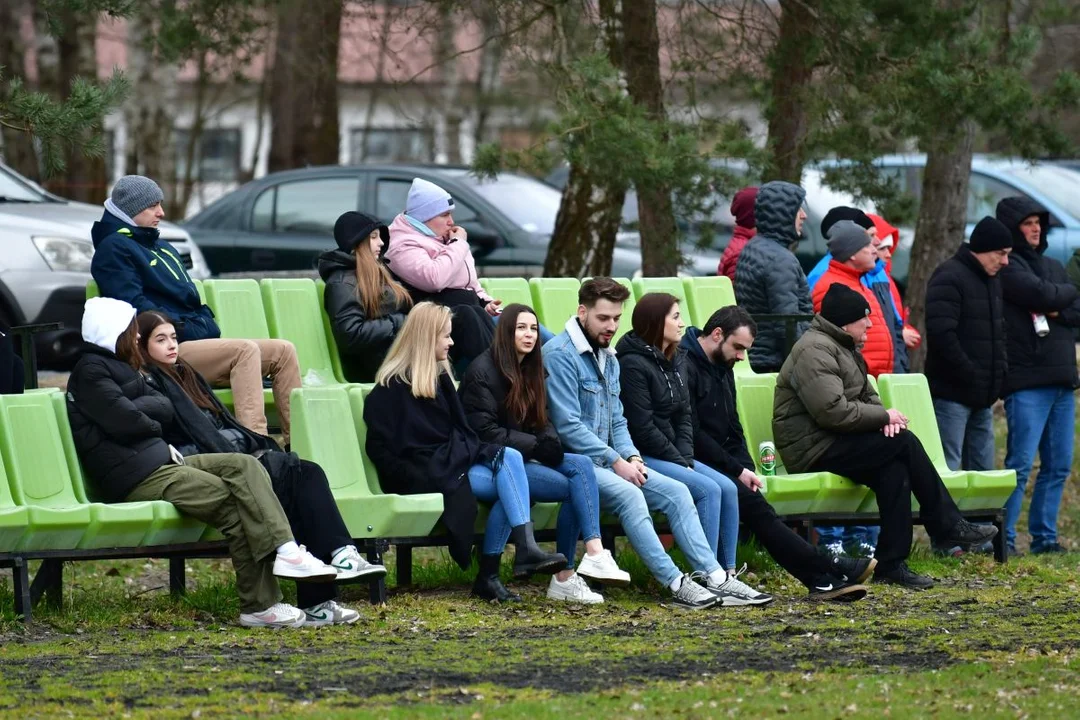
{"x":742,"y":207}
{"x":884,"y":230}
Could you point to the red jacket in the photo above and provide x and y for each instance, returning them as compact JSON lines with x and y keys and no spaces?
{"x":878,"y":351}
{"x":742,"y":209}
{"x":884,"y":230}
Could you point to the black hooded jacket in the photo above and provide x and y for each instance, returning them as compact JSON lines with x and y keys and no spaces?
{"x":655,"y":401}
{"x":362,"y":341}
{"x":966,"y":360}
{"x":1034,"y":283}
{"x":719,"y":441}
{"x":118,"y":423}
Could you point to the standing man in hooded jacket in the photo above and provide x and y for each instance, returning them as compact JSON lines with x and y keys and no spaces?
{"x":768,"y":276}
{"x":1042,"y":309}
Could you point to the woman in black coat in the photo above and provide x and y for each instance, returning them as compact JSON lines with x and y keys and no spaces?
{"x":506,"y":403}
{"x":656,"y":404}
{"x":119,"y":424}
{"x":202,"y":424}
{"x":420,"y":442}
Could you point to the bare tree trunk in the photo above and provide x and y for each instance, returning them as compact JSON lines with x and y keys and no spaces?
{"x":448,"y":124}
{"x":16,"y":147}
{"x":791,"y":70}
{"x":641,"y":61}
{"x":487,"y":79}
{"x":303,"y":91}
{"x":591,"y":208}
{"x":191,"y":157}
{"x":942,"y":219}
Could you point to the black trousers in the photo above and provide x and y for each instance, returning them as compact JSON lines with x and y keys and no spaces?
{"x":894,"y":468}
{"x":304,"y":493}
{"x":11,"y":365}
{"x":791,"y":551}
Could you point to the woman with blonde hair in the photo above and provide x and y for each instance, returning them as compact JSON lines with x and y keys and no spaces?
{"x":420,"y":442}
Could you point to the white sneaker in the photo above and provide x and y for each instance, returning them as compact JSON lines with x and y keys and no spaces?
{"x":330,"y":613}
{"x":575,"y":589}
{"x":350,"y":565}
{"x":602,"y":568}
{"x":735,"y":592}
{"x":303,"y":565}
{"x":277,"y":615}
{"x":691,"y":596}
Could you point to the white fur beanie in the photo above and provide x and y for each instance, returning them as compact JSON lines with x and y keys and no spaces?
{"x":105,"y":320}
{"x":427,"y":200}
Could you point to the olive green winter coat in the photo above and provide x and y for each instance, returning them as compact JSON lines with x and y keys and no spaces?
{"x":822,"y":392}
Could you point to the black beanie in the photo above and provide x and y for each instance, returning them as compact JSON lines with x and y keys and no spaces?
{"x":352,"y":228}
{"x":842,"y":305}
{"x":989,"y":235}
{"x":843,"y":212}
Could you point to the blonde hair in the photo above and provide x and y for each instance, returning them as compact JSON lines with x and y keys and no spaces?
{"x":411,"y":358}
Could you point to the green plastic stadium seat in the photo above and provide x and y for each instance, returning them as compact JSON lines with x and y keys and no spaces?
{"x":40,"y":479}
{"x":671,"y":285}
{"x":625,"y":324}
{"x":328,"y":330}
{"x":509,"y":290}
{"x":556,"y":300}
{"x":706,"y":295}
{"x":238,"y":308}
{"x":14,"y":519}
{"x":169,"y":526}
{"x":294,"y":312}
{"x":328,"y":428}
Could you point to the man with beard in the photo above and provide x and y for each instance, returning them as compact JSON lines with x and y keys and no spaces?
{"x":719,"y":442}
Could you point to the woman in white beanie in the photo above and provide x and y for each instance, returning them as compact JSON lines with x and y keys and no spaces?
{"x":118,"y":423}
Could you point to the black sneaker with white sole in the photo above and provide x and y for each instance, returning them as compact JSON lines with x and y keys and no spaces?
{"x":853,"y":570}
{"x":903,"y":575}
{"x":833,"y":588}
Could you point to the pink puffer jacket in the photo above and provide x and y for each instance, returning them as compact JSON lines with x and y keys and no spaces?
{"x":429,"y":264}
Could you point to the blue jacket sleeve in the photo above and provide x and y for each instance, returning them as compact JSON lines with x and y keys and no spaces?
{"x":564,"y":405}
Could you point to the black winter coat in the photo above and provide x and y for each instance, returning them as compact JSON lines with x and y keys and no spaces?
{"x":655,"y":401}
{"x":362,"y":341}
{"x":1033,"y":283}
{"x":768,"y":276}
{"x":483,"y":391}
{"x":118,"y":423}
{"x":719,"y":441}
{"x":426,"y":446}
{"x":966,"y":359}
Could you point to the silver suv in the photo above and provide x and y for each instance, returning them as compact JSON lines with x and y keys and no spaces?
{"x":45,"y":253}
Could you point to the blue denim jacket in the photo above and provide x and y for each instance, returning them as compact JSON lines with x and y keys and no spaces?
{"x":584,"y":402}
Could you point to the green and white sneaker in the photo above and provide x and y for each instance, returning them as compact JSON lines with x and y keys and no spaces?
{"x":330,"y":613}
{"x":350,"y":565}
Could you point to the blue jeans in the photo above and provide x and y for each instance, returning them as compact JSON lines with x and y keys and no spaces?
{"x":1041,"y":419}
{"x":848,"y":536}
{"x":574,"y":485}
{"x":662,"y":494}
{"x":717,"y":502}
{"x":967,"y":435}
{"x":508,"y":491}
{"x":544,"y":333}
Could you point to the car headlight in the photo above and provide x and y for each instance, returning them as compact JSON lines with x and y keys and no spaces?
{"x":65,"y":254}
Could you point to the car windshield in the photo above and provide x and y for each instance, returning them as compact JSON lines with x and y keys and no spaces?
{"x":1059,"y":184}
{"x":530,"y":204}
{"x":13,"y":188}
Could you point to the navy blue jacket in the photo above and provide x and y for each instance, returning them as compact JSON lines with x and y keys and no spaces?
{"x":135,"y":265}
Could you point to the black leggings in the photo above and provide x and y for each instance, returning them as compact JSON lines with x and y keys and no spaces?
{"x":790,"y":550}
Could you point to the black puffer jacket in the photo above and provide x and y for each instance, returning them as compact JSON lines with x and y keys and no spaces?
{"x":483,"y":392}
{"x":362,"y":341}
{"x":1033,"y":283}
{"x":655,"y":401}
{"x":768,"y":277}
{"x":966,"y":360}
{"x":117,"y":422}
{"x":719,"y":441}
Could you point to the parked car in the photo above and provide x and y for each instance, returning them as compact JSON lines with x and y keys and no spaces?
{"x":45,"y":264}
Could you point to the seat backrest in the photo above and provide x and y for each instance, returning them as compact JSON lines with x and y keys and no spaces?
{"x":509,"y":290}
{"x":910,"y":394}
{"x":78,"y":480}
{"x":555,"y":299}
{"x":33,"y":452}
{"x":627,"y":311}
{"x":238,"y":308}
{"x":671,"y":285}
{"x":6,"y":500}
{"x":357,"y":396}
{"x":328,"y":330}
{"x":294,"y":313}
{"x":323,"y":432}
{"x":754,"y":395}
{"x":706,"y":295}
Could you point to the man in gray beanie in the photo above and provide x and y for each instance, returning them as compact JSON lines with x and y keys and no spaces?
{"x":132,"y":263}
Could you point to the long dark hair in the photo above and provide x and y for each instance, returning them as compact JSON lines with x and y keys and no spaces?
{"x":527,"y":400}
{"x":650,"y":315}
{"x":127,"y":348}
{"x":186,"y":377}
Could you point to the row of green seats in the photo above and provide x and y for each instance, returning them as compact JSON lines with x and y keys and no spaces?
{"x":43,"y":500}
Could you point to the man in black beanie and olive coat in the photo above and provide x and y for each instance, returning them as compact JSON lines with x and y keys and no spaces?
{"x":827,"y":417}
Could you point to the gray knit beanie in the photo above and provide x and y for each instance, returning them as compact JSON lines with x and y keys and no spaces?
{"x":134,"y":193}
{"x":427,"y":200}
{"x":845,"y":239}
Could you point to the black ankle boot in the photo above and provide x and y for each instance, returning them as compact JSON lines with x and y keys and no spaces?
{"x":529,"y":558}
{"x":487,"y":585}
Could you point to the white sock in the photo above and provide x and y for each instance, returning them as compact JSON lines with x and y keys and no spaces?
{"x":676,"y":584}
{"x":718,"y":576}
{"x":289,"y":548}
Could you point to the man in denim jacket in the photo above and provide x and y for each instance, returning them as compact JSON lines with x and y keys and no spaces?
{"x":583,"y":400}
